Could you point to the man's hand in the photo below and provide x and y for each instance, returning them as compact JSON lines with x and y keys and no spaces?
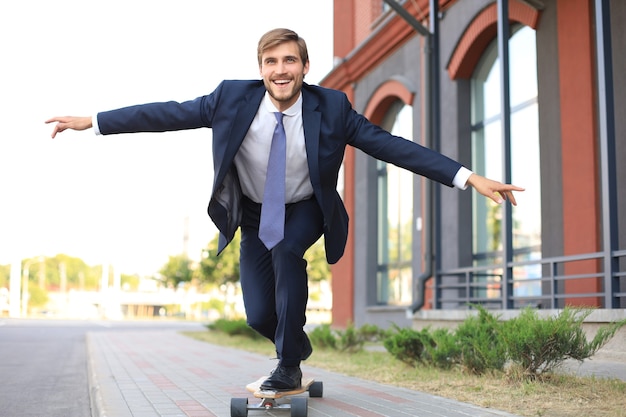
{"x":69,"y":122}
{"x":494,"y":190}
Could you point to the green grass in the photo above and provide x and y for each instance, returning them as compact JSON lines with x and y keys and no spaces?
{"x":556,"y":395}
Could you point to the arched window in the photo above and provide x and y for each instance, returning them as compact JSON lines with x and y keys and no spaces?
{"x":395,"y":217}
{"x":487,"y":160}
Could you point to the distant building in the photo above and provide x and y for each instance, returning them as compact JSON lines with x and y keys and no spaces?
{"x":563,"y":243}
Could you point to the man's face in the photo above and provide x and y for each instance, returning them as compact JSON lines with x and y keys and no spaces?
{"x":283,"y":71}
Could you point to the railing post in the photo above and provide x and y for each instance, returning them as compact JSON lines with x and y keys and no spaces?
{"x":553,"y":284}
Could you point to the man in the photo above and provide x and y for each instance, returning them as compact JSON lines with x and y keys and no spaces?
{"x":312,"y":126}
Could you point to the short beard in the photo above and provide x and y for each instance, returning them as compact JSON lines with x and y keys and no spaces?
{"x":291,"y":96}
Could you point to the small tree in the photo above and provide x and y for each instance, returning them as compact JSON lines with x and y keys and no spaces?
{"x":317,"y":268}
{"x":130,"y":281}
{"x":222,"y":269}
{"x":5,"y":274}
{"x":38,"y":297}
{"x":177,"y":269}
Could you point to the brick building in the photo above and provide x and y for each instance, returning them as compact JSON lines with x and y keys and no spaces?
{"x":416,"y":246}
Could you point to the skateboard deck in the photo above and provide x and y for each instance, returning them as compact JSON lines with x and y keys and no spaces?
{"x":255,"y":389}
{"x":298,"y":405}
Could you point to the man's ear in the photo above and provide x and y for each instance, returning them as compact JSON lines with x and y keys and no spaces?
{"x":306,"y":69}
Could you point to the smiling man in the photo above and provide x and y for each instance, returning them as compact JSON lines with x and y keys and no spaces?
{"x":283,"y":67}
{"x":278,"y":145}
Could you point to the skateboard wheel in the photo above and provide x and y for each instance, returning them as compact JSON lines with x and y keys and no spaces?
{"x":299,"y":407}
{"x":238,"y":407}
{"x":316,"y":390}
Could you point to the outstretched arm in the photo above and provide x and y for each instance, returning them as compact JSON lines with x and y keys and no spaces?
{"x":494,"y":190}
{"x":70,"y":122}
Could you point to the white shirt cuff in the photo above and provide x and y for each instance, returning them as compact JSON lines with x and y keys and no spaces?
{"x":96,"y":128}
{"x":461,"y":177}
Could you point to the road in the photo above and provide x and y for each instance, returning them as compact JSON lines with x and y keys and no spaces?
{"x":43,"y":364}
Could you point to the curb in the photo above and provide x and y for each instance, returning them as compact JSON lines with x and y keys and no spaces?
{"x":95,"y":397}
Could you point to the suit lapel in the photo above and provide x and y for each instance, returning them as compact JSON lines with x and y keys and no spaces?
{"x":311,"y":120}
{"x":241,"y":124}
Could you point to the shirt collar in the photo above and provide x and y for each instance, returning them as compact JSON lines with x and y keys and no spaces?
{"x":291,"y":111}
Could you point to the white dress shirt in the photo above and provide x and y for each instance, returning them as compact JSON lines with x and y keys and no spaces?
{"x":251,"y":159}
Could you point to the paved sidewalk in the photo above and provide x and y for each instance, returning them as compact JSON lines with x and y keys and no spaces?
{"x":600,"y":365}
{"x":166,"y":374}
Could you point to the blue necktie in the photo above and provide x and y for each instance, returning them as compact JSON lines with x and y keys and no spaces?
{"x":272,"y":224}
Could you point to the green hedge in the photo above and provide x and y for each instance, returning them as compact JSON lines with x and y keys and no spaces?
{"x":482,"y":343}
{"x":529,"y":344}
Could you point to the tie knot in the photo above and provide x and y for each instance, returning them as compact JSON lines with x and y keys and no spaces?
{"x":279,"y":117}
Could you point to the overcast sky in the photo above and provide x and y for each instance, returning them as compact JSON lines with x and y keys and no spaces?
{"x":122,"y":199}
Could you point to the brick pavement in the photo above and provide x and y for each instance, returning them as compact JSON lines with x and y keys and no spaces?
{"x":165,"y":374}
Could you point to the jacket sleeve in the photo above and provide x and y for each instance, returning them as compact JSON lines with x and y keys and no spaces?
{"x":382,"y":145}
{"x":160,"y":117}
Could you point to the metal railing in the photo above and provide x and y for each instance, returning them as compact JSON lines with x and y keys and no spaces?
{"x":557,"y":283}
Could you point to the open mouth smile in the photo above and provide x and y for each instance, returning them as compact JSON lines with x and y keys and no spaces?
{"x":281,"y":83}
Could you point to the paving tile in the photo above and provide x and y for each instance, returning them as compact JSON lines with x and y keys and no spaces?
{"x":165,"y":374}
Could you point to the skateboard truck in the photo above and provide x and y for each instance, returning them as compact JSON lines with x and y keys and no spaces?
{"x":298,"y":406}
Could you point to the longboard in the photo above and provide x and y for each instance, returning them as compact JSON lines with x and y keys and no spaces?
{"x":255,"y":389}
{"x":298,"y":406}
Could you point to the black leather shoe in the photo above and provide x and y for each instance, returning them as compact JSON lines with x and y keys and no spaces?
{"x":307,"y":349}
{"x":283,"y":378}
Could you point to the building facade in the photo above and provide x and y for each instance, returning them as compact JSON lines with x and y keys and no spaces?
{"x":418,"y":246}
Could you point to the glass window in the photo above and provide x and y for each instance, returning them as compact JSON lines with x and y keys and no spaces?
{"x":395,"y":218}
{"x":525,"y":169}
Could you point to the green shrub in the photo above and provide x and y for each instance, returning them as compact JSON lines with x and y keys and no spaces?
{"x":350,"y":339}
{"x":483,"y":343}
{"x":408,"y":345}
{"x":438,"y":348}
{"x":323,"y":337}
{"x":234,"y":327}
{"x":372,"y":333}
{"x":539,"y":345}
{"x":479,"y":339}
{"x":445,"y":351}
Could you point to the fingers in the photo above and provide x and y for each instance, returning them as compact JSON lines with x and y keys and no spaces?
{"x":61,"y":124}
{"x":57,"y":128}
{"x":505,"y":195}
{"x":55,"y":131}
{"x":69,"y":122}
{"x":57,"y":119}
{"x":505,"y":192}
{"x":494,"y":190}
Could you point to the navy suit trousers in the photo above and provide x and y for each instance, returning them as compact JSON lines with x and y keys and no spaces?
{"x":274,"y":282}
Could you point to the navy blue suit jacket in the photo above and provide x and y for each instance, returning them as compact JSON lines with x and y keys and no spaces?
{"x":330,"y":123}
